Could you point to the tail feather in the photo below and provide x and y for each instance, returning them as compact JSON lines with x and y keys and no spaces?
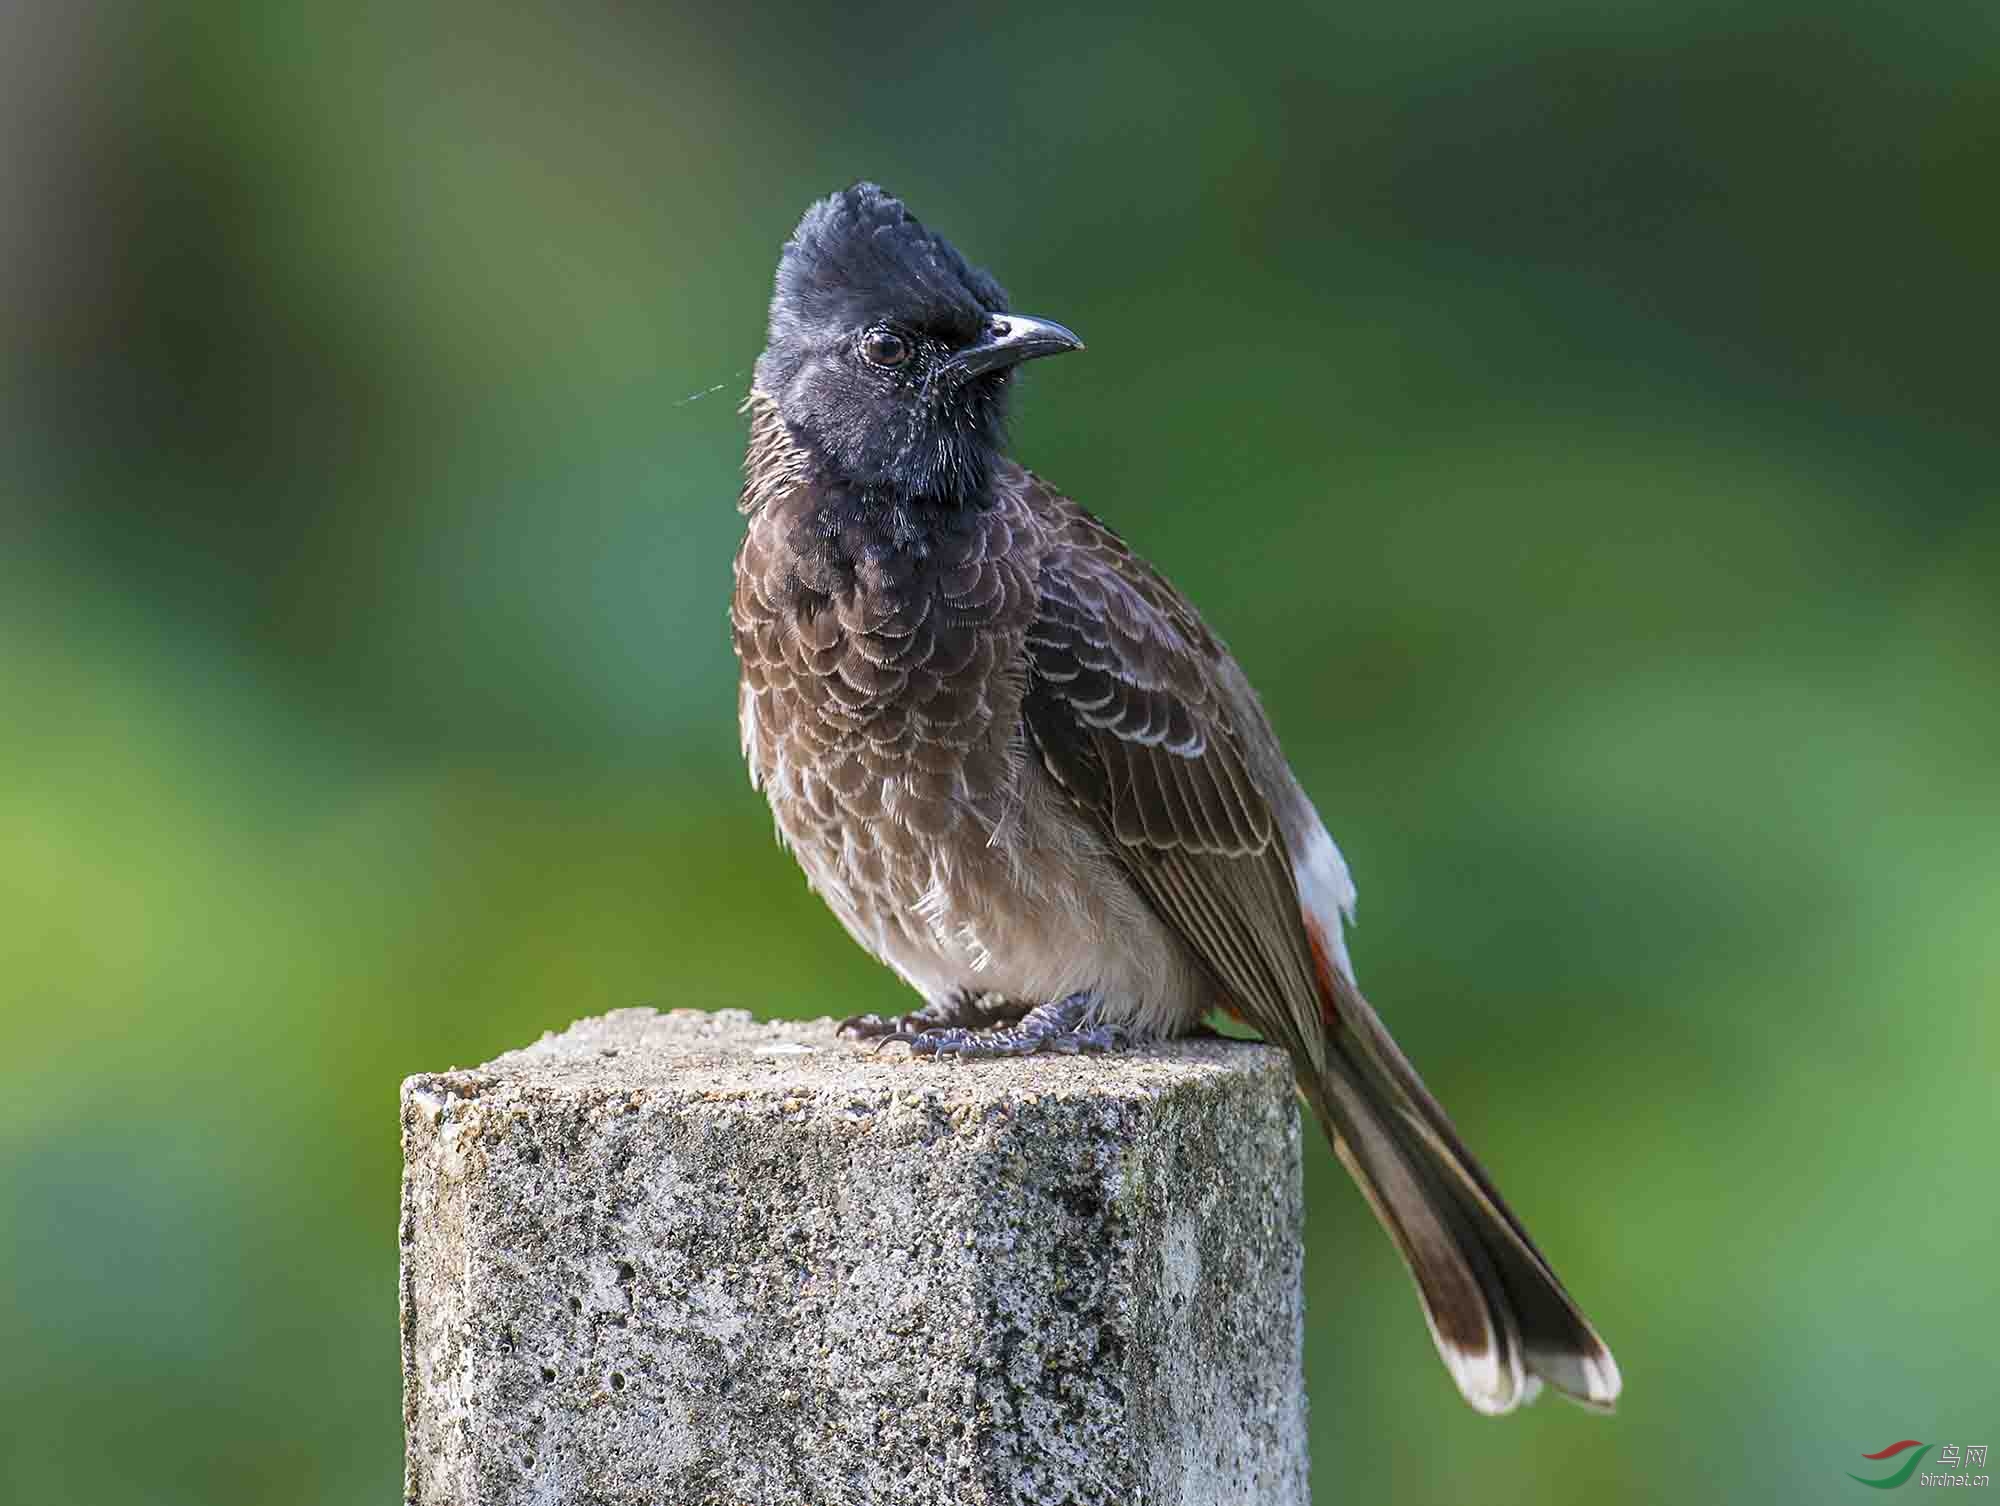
{"x":1502,"y":1321}
{"x":1474,"y":1333}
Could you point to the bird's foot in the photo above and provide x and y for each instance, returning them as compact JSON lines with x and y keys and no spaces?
{"x":1061,"y":1025}
{"x":960,"y":1010}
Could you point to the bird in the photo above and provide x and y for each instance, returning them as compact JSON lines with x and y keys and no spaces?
{"x":1023,"y":773}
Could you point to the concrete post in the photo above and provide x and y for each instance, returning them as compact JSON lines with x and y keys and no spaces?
{"x":694,"y":1258}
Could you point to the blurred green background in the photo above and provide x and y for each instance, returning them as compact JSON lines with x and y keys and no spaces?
{"x":1580,"y":420}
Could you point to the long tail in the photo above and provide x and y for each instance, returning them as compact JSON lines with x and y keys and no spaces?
{"x":1501,"y":1319}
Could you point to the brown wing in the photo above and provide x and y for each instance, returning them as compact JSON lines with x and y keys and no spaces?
{"x":1128,"y":710}
{"x":1131,"y":711}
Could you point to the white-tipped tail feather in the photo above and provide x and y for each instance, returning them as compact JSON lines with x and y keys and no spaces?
{"x":1495,"y":1309}
{"x":1501,"y":1320}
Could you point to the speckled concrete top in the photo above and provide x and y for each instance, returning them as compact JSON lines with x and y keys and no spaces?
{"x":730,"y":1053}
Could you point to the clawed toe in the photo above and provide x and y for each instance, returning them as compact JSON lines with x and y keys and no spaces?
{"x":971,"y":1043}
{"x":961,"y":1011}
{"x":867,"y":1026}
{"x":959,"y":1028}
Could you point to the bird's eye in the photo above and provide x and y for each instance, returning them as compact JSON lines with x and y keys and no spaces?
{"x":884,"y":347}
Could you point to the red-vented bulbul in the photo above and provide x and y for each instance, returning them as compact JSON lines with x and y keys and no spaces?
{"x":1026,"y":776}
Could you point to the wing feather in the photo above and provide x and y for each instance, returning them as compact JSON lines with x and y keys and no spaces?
{"x":1129,"y":704}
{"x":1130,"y":713}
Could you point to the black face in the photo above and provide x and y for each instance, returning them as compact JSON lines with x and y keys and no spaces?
{"x":891,"y":354}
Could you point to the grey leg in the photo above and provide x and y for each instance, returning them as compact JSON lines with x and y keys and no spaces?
{"x":1055,"y":1026}
{"x":961,"y":1009}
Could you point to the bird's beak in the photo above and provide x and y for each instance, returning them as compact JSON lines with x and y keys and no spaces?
{"x":1009,"y":340}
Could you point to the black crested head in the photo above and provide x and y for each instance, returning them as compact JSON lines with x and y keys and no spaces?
{"x":890,"y":354}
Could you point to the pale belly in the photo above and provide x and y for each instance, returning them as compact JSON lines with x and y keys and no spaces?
{"x":1028,"y":904}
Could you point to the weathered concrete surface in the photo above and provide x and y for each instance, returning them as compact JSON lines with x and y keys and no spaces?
{"x":694,"y":1258}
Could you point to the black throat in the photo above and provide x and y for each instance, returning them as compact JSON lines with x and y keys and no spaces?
{"x":843,"y":536}
{"x":877,"y":538}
